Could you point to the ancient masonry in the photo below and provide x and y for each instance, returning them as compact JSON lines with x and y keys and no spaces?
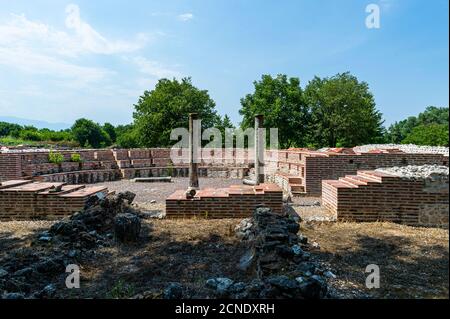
{"x":379,"y":196}
{"x":297,"y":171}
{"x":25,"y":200}
{"x":234,"y":201}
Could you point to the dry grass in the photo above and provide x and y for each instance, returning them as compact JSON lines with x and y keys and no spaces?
{"x":185,"y":251}
{"x":413,"y":261}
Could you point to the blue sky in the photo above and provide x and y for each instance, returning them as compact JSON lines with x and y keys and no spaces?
{"x":60,"y":60}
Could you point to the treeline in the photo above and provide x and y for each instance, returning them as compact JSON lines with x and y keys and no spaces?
{"x":428,"y":128}
{"x":338,"y":111}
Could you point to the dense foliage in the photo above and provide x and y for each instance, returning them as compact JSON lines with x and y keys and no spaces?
{"x":342,"y":112}
{"x":428,"y":128}
{"x":167,"y":106}
{"x":281,"y":102}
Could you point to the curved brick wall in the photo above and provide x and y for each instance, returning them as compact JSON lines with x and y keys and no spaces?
{"x":296,"y":171}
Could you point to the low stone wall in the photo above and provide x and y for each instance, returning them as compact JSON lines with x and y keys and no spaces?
{"x":235,"y":201}
{"x":379,"y":196}
{"x":177,"y":171}
{"x":82,"y":177}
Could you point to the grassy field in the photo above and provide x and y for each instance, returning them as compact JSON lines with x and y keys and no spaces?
{"x":12,"y":141}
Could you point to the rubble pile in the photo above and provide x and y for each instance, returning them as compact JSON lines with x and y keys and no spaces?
{"x":407,"y":148}
{"x":32,"y":272}
{"x":418,"y":172}
{"x":277,"y":258}
{"x":94,"y":225}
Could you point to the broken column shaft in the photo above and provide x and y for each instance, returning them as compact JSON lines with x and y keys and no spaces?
{"x":259,"y":149}
{"x":193,"y":156}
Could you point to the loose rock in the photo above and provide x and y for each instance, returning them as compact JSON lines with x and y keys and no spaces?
{"x":173,"y":291}
{"x":127,"y":228}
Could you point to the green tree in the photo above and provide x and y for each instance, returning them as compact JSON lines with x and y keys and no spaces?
{"x":281,"y":102}
{"x":10,"y":129}
{"x":167,"y":107}
{"x":398,"y":131}
{"x":223,"y":124}
{"x":111,"y":130}
{"x":126,"y":136}
{"x":343,"y":112}
{"x":431,"y":134}
{"x":90,"y":134}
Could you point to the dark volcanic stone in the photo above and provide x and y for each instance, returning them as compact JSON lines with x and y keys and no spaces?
{"x":313,"y":288}
{"x":173,"y":291}
{"x":127,"y":228}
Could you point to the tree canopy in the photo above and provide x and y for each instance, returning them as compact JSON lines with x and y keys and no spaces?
{"x":280,"y":100}
{"x":334,"y":111}
{"x":343,"y":112}
{"x":167,"y":106}
{"x":399,"y":131}
{"x":111,"y":131}
{"x":431,"y":134}
{"x":90,"y":134}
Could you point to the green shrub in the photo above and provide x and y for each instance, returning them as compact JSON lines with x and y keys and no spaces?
{"x":431,"y":134}
{"x":75,"y":157}
{"x":55,"y":158}
{"x":31,"y":135}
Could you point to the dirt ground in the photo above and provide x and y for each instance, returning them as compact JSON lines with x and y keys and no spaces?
{"x":413,"y":262}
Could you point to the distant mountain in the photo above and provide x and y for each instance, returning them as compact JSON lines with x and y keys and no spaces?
{"x":35,"y":123}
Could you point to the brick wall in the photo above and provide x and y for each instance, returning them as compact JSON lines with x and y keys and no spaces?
{"x":374,"y":196}
{"x":23,"y":200}
{"x":10,"y":167}
{"x":235,"y":201}
{"x":308,"y":168}
{"x":318,"y":168}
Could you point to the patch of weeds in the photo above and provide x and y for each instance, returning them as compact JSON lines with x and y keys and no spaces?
{"x":121,"y":290}
{"x":75,"y":157}
{"x":55,"y":157}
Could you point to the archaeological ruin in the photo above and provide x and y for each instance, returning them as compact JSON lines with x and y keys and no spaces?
{"x":362,"y":184}
{"x":33,"y":187}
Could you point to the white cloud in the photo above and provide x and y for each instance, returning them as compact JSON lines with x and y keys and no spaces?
{"x":89,"y":40}
{"x":82,"y":39}
{"x":154,"y":68}
{"x":51,"y":65}
{"x":38,"y":48}
{"x":185,"y":17}
{"x":35,"y":63}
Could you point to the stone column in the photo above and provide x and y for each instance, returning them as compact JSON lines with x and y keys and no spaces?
{"x":193,"y":157}
{"x":259,"y":149}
